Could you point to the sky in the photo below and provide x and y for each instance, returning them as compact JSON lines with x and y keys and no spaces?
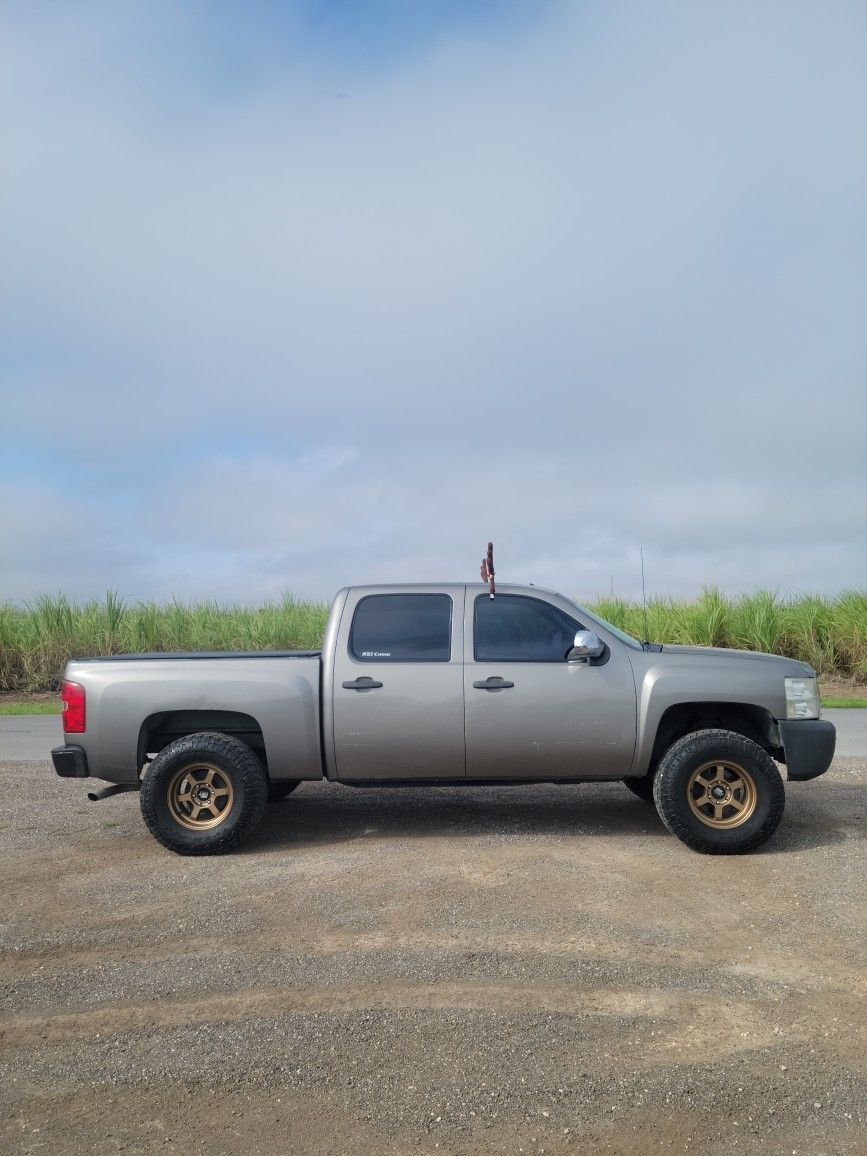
{"x":300,"y":295}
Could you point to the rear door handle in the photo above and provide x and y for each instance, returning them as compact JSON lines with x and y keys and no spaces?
{"x":364,"y":683}
{"x":493,"y":683}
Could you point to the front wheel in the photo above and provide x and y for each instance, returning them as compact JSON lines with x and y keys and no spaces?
{"x":719,"y":792}
{"x":203,"y":793}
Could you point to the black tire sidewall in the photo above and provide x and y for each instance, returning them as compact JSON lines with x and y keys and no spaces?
{"x":672,"y":802}
{"x":236,"y":761}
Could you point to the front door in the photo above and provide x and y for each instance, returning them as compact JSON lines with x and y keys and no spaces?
{"x":530,"y":714}
{"x":398,"y":686}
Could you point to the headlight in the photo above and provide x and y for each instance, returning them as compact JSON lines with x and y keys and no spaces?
{"x":802,"y":698}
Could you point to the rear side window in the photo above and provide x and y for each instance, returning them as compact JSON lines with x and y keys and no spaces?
{"x":402,"y":628}
{"x":513,"y":628}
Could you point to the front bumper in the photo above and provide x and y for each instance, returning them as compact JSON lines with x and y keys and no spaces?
{"x":70,"y":762}
{"x":808,"y":745}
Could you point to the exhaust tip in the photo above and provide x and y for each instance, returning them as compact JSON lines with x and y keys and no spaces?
{"x":111,"y":789}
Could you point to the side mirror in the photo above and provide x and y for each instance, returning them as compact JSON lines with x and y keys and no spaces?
{"x":587,"y":645}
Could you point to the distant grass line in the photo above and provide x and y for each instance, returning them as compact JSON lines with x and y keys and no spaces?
{"x":37,"y":639}
{"x":7,"y":708}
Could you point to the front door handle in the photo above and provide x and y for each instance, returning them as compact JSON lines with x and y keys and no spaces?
{"x":364,"y":683}
{"x":493,"y":683}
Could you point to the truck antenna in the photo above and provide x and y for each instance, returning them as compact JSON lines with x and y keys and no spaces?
{"x":488,"y":568}
{"x":644,"y":598}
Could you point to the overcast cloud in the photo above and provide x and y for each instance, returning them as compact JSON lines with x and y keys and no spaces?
{"x":310,"y":296}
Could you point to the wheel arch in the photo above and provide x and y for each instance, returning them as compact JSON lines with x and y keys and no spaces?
{"x":164,"y":727}
{"x":743,"y":718}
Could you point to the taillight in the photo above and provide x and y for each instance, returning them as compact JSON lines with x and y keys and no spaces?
{"x":72,"y":697}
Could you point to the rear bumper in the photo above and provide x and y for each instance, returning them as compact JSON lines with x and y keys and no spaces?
{"x":70,"y":762}
{"x":808,"y":745}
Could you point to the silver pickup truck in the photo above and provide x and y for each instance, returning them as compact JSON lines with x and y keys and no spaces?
{"x":445,"y":683}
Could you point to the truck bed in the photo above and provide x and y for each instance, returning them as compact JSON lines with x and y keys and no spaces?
{"x":135,"y":702}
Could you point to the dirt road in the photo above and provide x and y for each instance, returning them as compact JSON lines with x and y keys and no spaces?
{"x":449,"y":970}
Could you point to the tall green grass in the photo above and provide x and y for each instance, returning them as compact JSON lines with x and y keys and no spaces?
{"x":37,"y":639}
{"x":829,"y":633}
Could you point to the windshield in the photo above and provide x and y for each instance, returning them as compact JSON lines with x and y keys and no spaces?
{"x":621,"y":634}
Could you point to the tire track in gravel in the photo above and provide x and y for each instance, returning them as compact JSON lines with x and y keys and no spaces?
{"x":747,"y":1024}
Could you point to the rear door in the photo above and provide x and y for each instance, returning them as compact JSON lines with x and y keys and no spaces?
{"x":398,"y":695}
{"x":530,"y":714}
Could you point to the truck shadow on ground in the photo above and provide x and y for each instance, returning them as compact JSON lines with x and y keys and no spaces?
{"x":321,"y":814}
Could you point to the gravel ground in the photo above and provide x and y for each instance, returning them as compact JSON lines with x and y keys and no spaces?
{"x":533,"y":969}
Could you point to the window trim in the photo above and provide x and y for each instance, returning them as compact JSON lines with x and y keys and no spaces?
{"x":526,"y":598}
{"x":402,"y":594}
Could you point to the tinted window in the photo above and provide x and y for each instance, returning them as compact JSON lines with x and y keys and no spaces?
{"x":512,"y":628}
{"x":402,"y":628}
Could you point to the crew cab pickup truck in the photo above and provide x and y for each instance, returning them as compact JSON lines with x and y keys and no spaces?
{"x":445,"y":683}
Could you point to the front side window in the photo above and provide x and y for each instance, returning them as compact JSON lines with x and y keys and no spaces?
{"x":402,"y":628}
{"x":515,"y":628}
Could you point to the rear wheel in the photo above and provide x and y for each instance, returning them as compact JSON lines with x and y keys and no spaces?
{"x":203,"y":794}
{"x":719,"y":792}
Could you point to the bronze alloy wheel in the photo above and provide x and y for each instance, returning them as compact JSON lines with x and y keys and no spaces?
{"x":722,"y":794}
{"x":200,"y":796}
{"x":719,"y":792}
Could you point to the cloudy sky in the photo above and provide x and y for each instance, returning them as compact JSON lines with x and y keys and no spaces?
{"x":299,"y":295}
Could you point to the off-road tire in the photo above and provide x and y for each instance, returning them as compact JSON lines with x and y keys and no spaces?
{"x":279,"y":788}
{"x":235,"y":763}
{"x":643,"y":787}
{"x":684,"y":759}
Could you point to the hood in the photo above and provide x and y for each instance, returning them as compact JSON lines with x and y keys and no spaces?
{"x":793,"y":665}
